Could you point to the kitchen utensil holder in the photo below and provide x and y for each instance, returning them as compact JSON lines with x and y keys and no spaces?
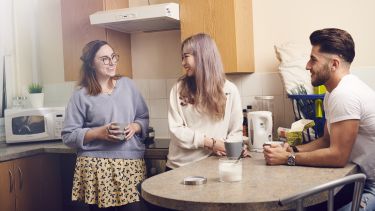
{"x":310,"y":107}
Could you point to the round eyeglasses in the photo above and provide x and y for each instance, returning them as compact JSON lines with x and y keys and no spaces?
{"x":107,"y":60}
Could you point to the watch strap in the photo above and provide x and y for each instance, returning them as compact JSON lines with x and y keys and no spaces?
{"x":295,"y":149}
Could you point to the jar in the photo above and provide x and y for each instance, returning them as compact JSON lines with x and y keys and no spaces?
{"x":264,"y":103}
{"x":19,"y":102}
{"x":16,"y":102}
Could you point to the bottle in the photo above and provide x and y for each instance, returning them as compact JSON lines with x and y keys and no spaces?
{"x":249,"y":108}
{"x":319,"y":103}
{"x":245,"y":131}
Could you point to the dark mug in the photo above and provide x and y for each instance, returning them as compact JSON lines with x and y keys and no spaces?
{"x":233,"y":149}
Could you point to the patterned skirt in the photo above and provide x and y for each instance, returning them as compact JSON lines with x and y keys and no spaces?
{"x":107,"y":182}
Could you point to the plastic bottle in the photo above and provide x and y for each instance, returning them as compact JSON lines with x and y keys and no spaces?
{"x":319,"y":103}
{"x":245,"y":131}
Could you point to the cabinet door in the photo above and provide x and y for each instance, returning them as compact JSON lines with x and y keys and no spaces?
{"x":229,"y":23}
{"x":120,"y":41}
{"x":7,"y":191}
{"x":51,"y":191}
{"x":77,"y":31}
{"x":27,"y":183}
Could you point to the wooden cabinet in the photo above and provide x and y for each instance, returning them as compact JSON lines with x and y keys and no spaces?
{"x":30,"y":184}
{"x":77,"y":31}
{"x":7,"y":192}
{"x":229,"y":23}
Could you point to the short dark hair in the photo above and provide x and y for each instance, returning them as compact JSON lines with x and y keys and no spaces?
{"x":334,"y":41}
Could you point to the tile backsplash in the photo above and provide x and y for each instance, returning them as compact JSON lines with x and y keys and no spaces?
{"x":156,"y":94}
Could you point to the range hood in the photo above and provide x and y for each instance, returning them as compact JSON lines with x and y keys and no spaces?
{"x":155,"y":17}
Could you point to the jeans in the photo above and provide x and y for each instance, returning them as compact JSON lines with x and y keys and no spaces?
{"x":368,"y":198}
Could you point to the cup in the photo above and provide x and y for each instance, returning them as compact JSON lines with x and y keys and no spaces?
{"x":122,"y":127}
{"x":230,"y":170}
{"x":233,"y":149}
{"x":269,"y":143}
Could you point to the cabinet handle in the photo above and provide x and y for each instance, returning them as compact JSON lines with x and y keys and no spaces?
{"x":21,"y":177}
{"x":10,"y":181}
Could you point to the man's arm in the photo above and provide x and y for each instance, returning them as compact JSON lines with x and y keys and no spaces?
{"x":334,"y":154}
{"x":342,"y":137}
{"x":322,"y":142}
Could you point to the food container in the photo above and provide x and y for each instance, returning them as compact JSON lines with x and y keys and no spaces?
{"x":230,"y":170}
{"x":195,"y":180}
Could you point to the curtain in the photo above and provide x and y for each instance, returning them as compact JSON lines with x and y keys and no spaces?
{"x":6,"y":53}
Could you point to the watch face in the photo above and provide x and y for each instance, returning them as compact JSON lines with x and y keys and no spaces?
{"x":291,"y":160}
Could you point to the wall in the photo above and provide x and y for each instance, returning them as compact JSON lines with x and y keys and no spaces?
{"x":276,"y":22}
{"x":156,"y":62}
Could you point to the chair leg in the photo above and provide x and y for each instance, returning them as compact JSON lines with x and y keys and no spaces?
{"x":330,"y":200}
{"x":299,"y":205}
{"x":358,"y":189}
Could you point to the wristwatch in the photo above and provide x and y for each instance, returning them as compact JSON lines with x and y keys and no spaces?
{"x":292,"y":159}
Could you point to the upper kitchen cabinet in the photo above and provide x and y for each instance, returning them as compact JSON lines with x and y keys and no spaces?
{"x":229,"y":23}
{"x":77,"y":31}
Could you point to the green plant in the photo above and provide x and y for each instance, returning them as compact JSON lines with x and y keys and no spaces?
{"x":35,"y":88}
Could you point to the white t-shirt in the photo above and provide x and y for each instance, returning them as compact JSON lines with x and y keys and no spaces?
{"x":188,"y":127}
{"x":353,"y":99}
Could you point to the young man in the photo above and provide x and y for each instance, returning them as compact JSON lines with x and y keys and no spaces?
{"x":349,"y":104}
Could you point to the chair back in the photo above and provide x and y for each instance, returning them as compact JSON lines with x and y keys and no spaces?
{"x":358,"y":179}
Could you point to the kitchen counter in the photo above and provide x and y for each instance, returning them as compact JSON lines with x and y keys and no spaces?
{"x":158,"y":150}
{"x":260,"y":189}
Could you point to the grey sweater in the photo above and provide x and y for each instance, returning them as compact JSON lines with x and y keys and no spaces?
{"x":124,"y":105}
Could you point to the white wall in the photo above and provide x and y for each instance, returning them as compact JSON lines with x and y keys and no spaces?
{"x":276,"y":22}
{"x":156,"y":58}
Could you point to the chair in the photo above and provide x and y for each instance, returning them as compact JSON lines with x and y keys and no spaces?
{"x":358,"y":179}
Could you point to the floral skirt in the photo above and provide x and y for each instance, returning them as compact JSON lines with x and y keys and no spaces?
{"x":107,"y":182}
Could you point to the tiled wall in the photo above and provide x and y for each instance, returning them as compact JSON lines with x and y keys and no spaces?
{"x":156,"y":94}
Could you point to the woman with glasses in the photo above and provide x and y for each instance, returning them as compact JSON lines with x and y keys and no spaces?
{"x":110,"y":162}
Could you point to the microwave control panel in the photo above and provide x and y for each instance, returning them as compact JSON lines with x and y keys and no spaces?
{"x":59,"y":123}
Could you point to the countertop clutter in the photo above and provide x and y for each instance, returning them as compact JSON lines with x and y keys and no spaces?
{"x":157,"y":150}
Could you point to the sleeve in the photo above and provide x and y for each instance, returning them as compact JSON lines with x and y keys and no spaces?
{"x":73,"y":132}
{"x":236,"y":117}
{"x":186,"y":137}
{"x":141,"y":114}
{"x":344,"y":106}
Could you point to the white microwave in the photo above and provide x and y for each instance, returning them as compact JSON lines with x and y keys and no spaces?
{"x":33,"y":124}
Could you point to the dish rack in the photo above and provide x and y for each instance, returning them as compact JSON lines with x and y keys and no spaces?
{"x":310,"y":107}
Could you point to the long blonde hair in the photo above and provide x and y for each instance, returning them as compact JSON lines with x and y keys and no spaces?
{"x":205,"y":89}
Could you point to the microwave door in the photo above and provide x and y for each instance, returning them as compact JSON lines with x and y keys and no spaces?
{"x":28,"y":128}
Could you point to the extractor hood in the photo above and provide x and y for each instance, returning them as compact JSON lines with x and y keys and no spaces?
{"x":155,"y":17}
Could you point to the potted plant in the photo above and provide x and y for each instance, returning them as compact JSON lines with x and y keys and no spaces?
{"x":36,"y":95}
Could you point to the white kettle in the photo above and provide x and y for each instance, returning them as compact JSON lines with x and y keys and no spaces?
{"x":260,"y":129}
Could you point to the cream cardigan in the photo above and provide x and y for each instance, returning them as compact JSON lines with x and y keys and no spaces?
{"x":189,"y":127}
